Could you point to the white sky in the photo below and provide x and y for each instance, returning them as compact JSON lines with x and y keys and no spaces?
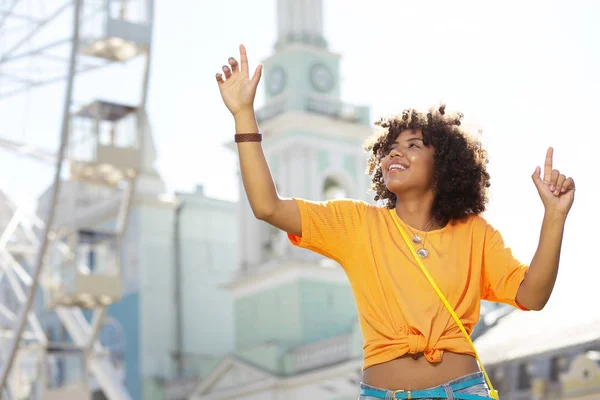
{"x":526,"y":71}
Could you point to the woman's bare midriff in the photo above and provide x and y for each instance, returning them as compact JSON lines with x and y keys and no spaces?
{"x":414,"y":372}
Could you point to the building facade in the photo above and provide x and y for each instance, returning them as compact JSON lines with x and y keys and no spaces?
{"x":296,"y":328}
{"x":172,"y":317}
{"x":553,"y":354}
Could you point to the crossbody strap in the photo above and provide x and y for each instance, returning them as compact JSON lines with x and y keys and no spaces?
{"x":494,"y":392}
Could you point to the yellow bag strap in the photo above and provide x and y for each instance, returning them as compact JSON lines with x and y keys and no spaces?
{"x":493,"y":391}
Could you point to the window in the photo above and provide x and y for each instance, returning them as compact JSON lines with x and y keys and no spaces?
{"x":524,"y":377}
{"x":332,"y":189}
{"x":557,"y":366}
{"x":586,"y":374}
{"x":496,"y":374}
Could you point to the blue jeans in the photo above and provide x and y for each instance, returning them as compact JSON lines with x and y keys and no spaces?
{"x":478,"y":390}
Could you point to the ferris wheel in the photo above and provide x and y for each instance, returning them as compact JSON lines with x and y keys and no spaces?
{"x":86,"y":63}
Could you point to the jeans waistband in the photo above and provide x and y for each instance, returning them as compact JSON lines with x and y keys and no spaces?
{"x":439,"y":392}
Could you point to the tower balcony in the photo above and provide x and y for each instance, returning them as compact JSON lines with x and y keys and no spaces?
{"x":116,"y":30}
{"x":315,"y":104}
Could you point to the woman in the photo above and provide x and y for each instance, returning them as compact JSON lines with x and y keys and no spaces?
{"x":433,"y":179}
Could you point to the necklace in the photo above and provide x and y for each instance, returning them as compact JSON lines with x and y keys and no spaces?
{"x":422,"y":252}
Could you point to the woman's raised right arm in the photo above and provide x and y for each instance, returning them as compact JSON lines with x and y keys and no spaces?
{"x":238,"y":92}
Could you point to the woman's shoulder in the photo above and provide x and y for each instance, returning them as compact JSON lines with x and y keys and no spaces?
{"x":473,"y":222}
{"x":336,"y":208}
{"x":360,"y":208}
{"x":351,"y":203}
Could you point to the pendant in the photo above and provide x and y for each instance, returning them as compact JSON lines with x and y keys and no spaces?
{"x":416,"y":239}
{"x":422,"y":252}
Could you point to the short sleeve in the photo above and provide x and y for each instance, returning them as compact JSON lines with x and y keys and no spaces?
{"x":329,"y":227}
{"x":502,"y":272}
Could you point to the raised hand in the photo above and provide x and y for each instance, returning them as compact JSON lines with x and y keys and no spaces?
{"x":237,"y":89}
{"x":556,"y":190}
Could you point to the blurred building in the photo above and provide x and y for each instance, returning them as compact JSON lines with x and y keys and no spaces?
{"x":296,"y":329}
{"x":178,"y":249}
{"x":553,"y":354}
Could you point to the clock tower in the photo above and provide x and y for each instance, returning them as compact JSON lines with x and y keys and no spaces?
{"x":313,"y":143}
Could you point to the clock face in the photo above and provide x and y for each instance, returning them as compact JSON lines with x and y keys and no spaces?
{"x":276,"y":81}
{"x":321,"y":78}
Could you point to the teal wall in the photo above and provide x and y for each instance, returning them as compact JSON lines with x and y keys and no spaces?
{"x":322,"y":161}
{"x":350,"y":164}
{"x":126,"y":312}
{"x":327,"y":309}
{"x":208,"y":259}
{"x":271,"y":315}
{"x":294,"y":313}
{"x":267,"y":356}
{"x":209,"y":241}
{"x":156,"y":291}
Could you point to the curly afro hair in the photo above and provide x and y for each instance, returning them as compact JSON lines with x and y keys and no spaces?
{"x":460,"y":178}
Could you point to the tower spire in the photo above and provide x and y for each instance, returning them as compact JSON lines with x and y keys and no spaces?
{"x":300,"y":21}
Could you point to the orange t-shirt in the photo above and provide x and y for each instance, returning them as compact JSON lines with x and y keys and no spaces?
{"x":398,"y":309}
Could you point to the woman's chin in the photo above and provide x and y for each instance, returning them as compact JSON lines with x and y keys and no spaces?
{"x":400,"y":188}
{"x":396,"y":187}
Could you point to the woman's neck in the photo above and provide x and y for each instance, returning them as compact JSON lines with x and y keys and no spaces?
{"x":417,"y":212}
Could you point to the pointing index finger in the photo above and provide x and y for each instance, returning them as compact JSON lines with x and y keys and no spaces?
{"x":243,"y":58}
{"x":548,"y":165}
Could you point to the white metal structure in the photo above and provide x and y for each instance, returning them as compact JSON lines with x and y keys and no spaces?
{"x":70,"y":252}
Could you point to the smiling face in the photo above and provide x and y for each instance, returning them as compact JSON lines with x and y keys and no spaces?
{"x":408,"y":164}
{"x":450,"y":173}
